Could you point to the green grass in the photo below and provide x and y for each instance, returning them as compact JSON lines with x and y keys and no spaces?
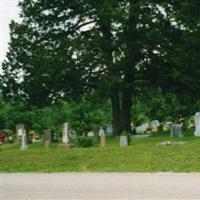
{"x":143,"y":155}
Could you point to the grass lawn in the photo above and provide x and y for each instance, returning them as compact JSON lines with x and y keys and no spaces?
{"x":143,"y":155}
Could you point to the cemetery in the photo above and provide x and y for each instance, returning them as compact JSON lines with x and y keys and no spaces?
{"x":150,"y":147}
{"x":101,"y":86}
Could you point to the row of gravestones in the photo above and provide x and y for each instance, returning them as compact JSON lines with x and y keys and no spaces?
{"x":140,"y":129}
{"x":154,"y":125}
{"x":21,"y":133}
{"x":123,"y":139}
{"x":47,"y":138}
{"x":176,"y":130}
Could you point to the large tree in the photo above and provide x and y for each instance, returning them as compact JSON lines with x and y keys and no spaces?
{"x":64,"y":49}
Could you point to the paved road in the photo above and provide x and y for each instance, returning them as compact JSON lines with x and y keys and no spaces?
{"x":99,"y":186}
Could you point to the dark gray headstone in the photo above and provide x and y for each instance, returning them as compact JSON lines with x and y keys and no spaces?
{"x":176,"y":130}
{"x":47,"y":138}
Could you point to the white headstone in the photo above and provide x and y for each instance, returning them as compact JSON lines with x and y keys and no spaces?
{"x":90,"y":134}
{"x":123,"y":141}
{"x":139,"y":130}
{"x":20,"y":129}
{"x":24,"y":145}
{"x":65,"y":132}
{"x":197,"y":124}
{"x":155,"y":124}
{"x":145,"y":126}
{"x":142,"y":129}
{"x":101,"y":132}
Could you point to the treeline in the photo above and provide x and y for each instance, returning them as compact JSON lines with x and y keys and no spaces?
{"x":88,"y":115}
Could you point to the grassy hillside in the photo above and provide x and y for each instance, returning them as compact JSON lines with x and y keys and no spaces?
{"x":143,"y":155}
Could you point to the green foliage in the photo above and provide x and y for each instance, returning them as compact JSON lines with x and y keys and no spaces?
{"x":83,"y":141}
{"x":83,"y":116}
{"x":156,"y":105}
{"x":11,"y":114}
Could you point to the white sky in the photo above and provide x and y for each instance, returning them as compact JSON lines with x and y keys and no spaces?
{"x":8,"y":11}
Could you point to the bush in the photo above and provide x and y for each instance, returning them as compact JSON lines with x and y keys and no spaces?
{"x":83,"y":141}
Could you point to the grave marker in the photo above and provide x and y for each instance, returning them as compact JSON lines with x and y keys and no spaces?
{"x":154,"y":125}
{"x":123,"y":141}
{"x":102,"y":137}
{"x":197,"y":124}
{"x":65,"y":133}
{"x":22,"y":137}
{"x":47,"y":138}
{"x":176,"y":130}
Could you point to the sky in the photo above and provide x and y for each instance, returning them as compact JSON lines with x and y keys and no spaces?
{"x":8,"y":11}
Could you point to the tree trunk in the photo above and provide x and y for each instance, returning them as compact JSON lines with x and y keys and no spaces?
{"x":116,"y":112}
{"x":126,"y":109}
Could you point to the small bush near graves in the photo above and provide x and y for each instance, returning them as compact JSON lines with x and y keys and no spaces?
{"x":84,"y":141}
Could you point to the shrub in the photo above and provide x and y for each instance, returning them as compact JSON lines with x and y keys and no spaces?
{"x":83,"y":141}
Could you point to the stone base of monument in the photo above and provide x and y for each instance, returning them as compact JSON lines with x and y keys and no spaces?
{"x":103,"y":141}
{"x":66,"y":146}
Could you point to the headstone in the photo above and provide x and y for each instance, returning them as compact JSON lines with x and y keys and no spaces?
{"x":22,"y":137}
{"x":24,"y":145}
{"x":90,"y":134}
{"x":145,"y":126}
{"x":47,"y":144}
{"x":176,"y":130}
{"x":197,"y":124}
{"x":20,"y":129}
{"x":65,"y":133}
{"x":102,"y":137}
{"x":139,"y":130}
{"x":154,"y":125}
{"x":142,"y":129}
{"x":123,"y":141}
{"x":101,"y":132}
{"x":47,"y":138}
